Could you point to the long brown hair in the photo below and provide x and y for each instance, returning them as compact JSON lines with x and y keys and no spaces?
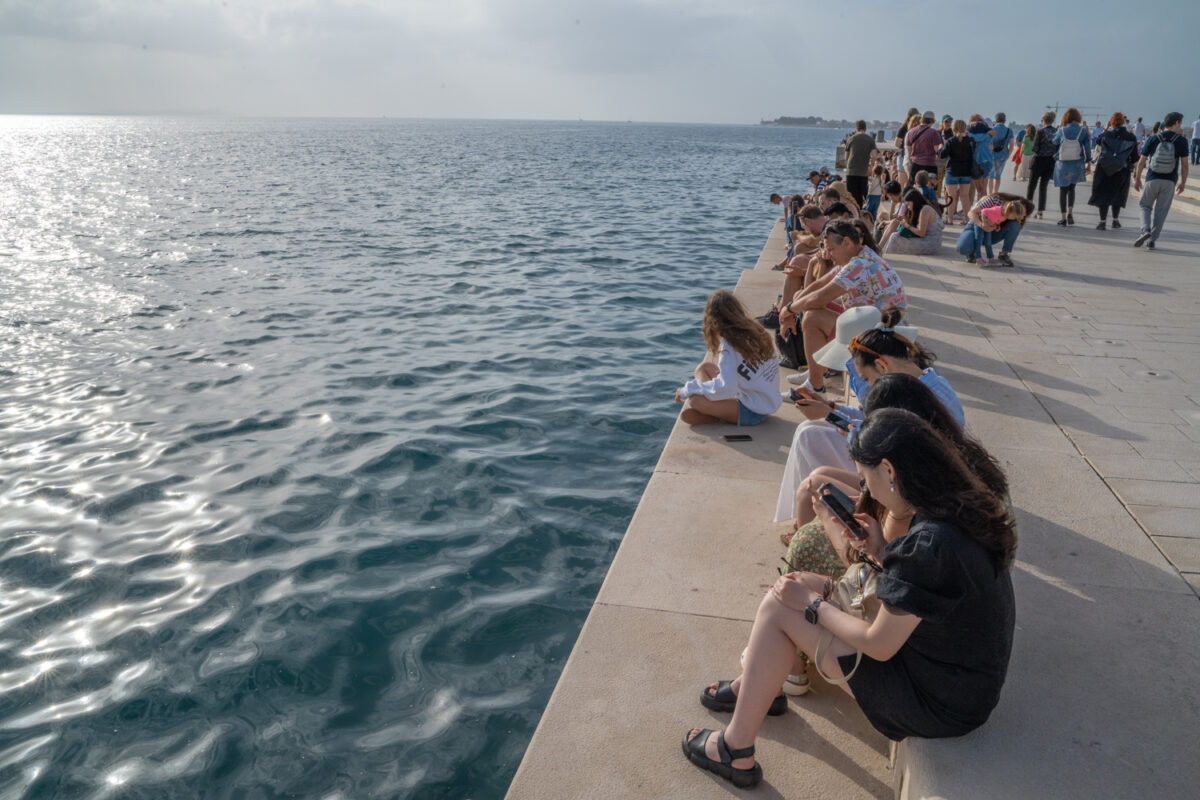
{"x":1071,"y":115}
{"x":726,"y":318}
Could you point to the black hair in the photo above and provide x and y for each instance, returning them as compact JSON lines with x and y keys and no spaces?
{"x":1172,"y":118}
{"x":844,"y":229}
{"x":934,"y":478}
{"x":891,"y":187}
{"x":916,"y":202}
{"x":838,"y":208}
{"x":897,"y":390}
{"x":868,"y":238}
{"x":890,"y":344}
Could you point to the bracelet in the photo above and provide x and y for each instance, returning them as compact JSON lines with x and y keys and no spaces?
{"x":828,"y":588}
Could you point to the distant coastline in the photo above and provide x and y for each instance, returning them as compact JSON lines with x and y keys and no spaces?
{"x":821,"y":122}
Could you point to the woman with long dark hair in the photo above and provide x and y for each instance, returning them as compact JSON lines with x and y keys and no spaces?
{"x":1114,"y":166}
{"x":935,"y":657}
{"x":920,"y":230}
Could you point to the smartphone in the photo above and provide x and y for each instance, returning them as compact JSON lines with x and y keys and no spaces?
{"x":838,"y":503}
{"x":738,"y":437}
{"x":838,"y":421}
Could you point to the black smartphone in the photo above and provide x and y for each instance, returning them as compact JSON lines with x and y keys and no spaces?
{"x":838,"y":421}
{"x":738,"y":437}
{"x":838,"y":503}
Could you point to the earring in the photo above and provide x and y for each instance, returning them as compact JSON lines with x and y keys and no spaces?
{"x":892,"y":485}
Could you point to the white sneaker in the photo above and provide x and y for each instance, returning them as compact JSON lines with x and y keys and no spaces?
{"x":798,"y":379}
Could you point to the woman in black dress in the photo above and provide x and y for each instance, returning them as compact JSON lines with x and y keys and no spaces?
{"x":1118,"y":154}
{"x":935,"y":657}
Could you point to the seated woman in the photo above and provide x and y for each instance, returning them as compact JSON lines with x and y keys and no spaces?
{"x":862,"y":278}
{"x":919,"y":233}
{"x":998,"y":215}
{"x":935,"y":657}
{"x":817,"y":546}
{"x":742,"y":388}
{"x":867,"y":345}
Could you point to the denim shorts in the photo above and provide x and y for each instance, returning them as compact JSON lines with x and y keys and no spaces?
{"x":955,"y":180}
{"x":748,"y":417}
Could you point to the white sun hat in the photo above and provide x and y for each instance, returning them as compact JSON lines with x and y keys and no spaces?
{"x":851,"y":323}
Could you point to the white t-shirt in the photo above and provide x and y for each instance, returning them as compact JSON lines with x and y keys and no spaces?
{"x":1196,"y":129}
{"x":757,"y":388}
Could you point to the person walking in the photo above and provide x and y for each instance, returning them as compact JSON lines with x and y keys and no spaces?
{"x":1001,"y":148}
{"x":1196,"y":141}
{"x":1043,"y":162}
{"x":1166,"y":154}
{"x":1117,"y":154}
{"x":922,"y":144}
{"x":1074,"y":153}
{"x":1026,"y":153}
{"x":1139,"y":130}
{"x":983,"y":135}
{"x":860,"y":150}
{"x":901,"y":134}
{"x":959,"y":153}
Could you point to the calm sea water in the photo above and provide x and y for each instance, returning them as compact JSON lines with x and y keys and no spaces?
{"x":317,"y":437}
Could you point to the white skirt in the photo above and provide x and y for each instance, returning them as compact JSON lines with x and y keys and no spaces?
{"x":816,"y":443}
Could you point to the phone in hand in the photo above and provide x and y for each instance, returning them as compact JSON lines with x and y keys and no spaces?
{"x":738,"y":437}
{"x":839,"y":421}
{"x":840,"y":506}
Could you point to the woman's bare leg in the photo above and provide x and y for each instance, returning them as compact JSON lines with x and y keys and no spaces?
{"x":701,"y":411}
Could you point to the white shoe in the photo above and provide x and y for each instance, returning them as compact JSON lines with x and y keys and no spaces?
{"x":798,"y":379}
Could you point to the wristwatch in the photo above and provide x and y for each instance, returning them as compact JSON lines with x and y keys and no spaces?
{"x":810,"y":613}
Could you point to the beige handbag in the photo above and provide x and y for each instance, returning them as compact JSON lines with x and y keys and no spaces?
{"x":854,"y":593}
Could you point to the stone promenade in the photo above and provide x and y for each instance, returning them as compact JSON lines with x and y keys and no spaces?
{"x":1080,"y":371}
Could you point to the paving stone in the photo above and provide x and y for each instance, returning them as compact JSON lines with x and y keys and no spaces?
{"x":1159,"y":493}
{"x":1167,"y":520}
{"x":1135,"y":466}
{"x":1183,"y":552}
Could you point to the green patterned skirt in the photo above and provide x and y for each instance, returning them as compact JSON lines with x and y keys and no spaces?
{"x":811,"y":551}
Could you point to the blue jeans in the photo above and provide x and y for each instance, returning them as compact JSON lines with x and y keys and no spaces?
{"x":973,"y":237}
{"x":1196,"y":151}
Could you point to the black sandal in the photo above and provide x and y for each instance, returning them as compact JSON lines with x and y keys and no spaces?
{"x":724,"y":700}
{"x":741,"y":778}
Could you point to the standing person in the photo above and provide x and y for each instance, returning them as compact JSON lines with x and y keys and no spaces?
{"x":1166,"y":154}
{"x":1001,"y":147}
{"x":947,"y":132}
{"x":982,"y":134}
{"x":1117,"y":154}
{"x":1042,"y":168}
{"x":1073,"y":155}
{"x":1139,"y":130}
{"x":1196,"y":141}
{"x":875,"y":189}
{"x":860,"y":150}
{"x":742,"y":388}
{"x":1018,"y":148}
{"x":1027,"y":153}
{"x":901,"y":134}
{"x":922,"y":144}
{"x":1096,"y":131}
{"x":959,"y":153}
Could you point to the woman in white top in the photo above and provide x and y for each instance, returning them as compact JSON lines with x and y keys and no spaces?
{"x":742,"y":388}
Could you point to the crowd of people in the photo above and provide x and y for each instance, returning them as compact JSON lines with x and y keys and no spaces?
{"x":931,"y":519}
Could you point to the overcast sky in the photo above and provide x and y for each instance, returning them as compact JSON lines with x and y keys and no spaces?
{"x":646,"y":60}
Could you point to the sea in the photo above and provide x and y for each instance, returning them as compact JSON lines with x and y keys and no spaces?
{"x":318,"y":436}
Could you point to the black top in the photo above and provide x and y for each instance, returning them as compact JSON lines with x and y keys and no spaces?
{"x":1043,"y":142}
{"x":959,"y":155}
{"x":1152,"y":144}
{"x":946,"y":679}
{"x":1118,"y":150}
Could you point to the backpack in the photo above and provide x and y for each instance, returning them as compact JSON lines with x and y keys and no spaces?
{"x":1114,"y":152}
{"x":1045,"y":144}
{"x":1163,"y":160}
{"x":1071,"y":149}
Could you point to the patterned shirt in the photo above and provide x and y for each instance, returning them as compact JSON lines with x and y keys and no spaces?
{"x":869,"y":280}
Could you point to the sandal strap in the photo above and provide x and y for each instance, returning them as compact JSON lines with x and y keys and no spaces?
{"x":724,"y":692}
{"x":727,"y":754}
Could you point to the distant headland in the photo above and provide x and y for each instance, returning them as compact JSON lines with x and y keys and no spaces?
{"x":821,"y":122}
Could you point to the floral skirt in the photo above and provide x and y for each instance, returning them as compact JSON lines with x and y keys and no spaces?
{"x":811,"y":551}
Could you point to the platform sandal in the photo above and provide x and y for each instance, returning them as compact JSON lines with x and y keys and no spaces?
{"x":693,"y":748}
{"x":724,"y":700}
